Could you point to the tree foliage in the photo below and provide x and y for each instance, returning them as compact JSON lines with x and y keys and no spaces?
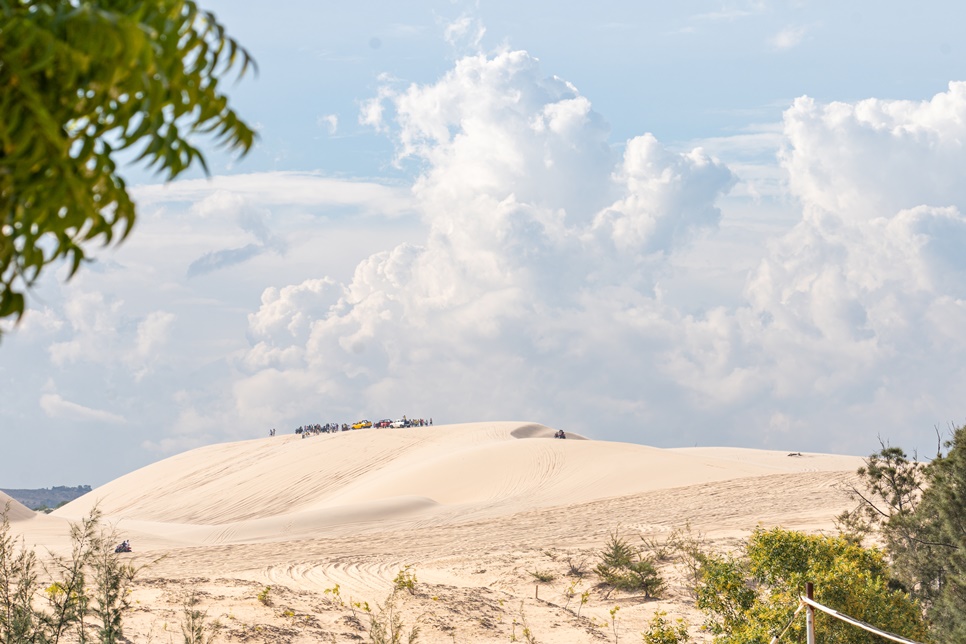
{"x":752,"y":598}
{"x":81,"y":81}
{"x":627,"y":568}
{"x":661,"y":630}
{"x":944,"y":515}
{"x":925,"y":534}
{"x":890,"y":503}
{"x":18,"y":577}
{"x":82,"y":597}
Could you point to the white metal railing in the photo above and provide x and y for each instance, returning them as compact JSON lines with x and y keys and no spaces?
{"x":808,"y":602}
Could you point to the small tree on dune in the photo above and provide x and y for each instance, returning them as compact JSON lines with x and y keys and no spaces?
{"x":627,"y":568}
{"x":91,"y":584}
{"x":919,"y":510}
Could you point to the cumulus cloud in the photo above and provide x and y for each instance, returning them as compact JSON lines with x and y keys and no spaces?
{"x":539,"y":288}
{"x":289,"y":308}
{"x":100,"y":332}
{"x":94,"y":321}
{"x":561,"y":278}
{"x":36,"y":321}
{"x":667,"y":197}
{"x":863,"y":299}
{"x":876,"y":157}
{"x":882,"y":223}
{"x":539,"y":234}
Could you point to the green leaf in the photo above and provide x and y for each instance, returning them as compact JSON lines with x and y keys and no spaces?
{"x":73,"y":73}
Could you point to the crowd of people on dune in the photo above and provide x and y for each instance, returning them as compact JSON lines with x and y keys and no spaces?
{"x":330,"y":428}
{"x":314,"y":430}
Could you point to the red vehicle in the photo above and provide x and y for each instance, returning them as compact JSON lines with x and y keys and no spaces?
{"x":385,"y":422}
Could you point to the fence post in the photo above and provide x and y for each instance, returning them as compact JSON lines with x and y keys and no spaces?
{"x":809,"y":615}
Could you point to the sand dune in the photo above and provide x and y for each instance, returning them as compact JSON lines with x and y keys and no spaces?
{"x":16,"y":511}
{"x":472,"y":507}
{"x":285,"y":487}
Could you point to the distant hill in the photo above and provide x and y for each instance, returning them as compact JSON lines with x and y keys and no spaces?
{"x":47,"y":497}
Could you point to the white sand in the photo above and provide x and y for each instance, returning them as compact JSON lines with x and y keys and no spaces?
{"x":473,"y":508}
{"x":16,"y":511}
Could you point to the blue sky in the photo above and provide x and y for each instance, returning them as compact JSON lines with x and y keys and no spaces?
{"x":693,"y":223}
{"x":683,"y":71}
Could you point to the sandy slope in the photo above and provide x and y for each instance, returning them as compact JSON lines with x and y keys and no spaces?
{"x":16,"y":511}
{"x":473,"y":508}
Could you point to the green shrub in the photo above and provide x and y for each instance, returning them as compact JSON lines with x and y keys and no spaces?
{"x":626,"y":568}
{"x":336,"y":592}
{"x":193,"y":625}
{"x":542,"y":576}
{"x":91,"y":583}
{"x":18,"y":578}
{"x":660,"y":630}
{"x":386,"y":624}
{"x":751,"y":598}
{"x":405,"y":580}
